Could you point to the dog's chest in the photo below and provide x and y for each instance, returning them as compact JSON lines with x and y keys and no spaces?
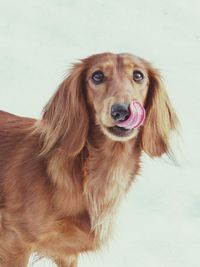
{"x":107,"y":178}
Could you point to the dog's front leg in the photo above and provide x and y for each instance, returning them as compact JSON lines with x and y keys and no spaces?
{"x":14,"y":261}
{"x":70,"y":261}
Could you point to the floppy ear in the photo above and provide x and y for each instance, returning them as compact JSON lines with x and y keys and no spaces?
{"x":65,"y":117}
{"x":160,"y":120}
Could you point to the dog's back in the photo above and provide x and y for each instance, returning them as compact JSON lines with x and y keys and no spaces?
{"x":13,"y":129}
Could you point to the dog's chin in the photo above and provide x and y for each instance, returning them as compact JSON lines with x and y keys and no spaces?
{"x":121,"y":134}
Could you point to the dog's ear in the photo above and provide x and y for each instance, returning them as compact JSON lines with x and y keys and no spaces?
{"x":160,"y":118}
{"x":65,"y":117}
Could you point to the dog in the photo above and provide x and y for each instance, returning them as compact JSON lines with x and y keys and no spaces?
{"x":62,"y":178}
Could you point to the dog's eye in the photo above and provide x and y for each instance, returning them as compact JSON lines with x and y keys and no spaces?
{"x":138,"y":76}
{"x":98,"y":77}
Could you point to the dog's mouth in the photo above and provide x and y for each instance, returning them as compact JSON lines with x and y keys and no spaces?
{"x":126,"y":128}
{"x":119,"y":131}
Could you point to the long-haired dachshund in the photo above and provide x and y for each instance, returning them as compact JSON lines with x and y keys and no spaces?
{"x":62,"y":177}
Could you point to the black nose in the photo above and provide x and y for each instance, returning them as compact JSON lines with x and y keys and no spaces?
{"x":120,"y":112}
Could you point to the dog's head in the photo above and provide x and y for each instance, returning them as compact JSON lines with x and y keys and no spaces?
{"x":112,"y":82}
{"x":99,"y":91}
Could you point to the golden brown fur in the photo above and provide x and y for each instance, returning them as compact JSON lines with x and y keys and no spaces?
{"x":62,"y":177}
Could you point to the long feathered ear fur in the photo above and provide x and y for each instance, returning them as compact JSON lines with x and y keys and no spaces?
{"x":65,"y":117}
{"x":160,"y":120}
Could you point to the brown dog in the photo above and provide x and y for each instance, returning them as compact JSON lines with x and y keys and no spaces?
{"x":62,"y":177}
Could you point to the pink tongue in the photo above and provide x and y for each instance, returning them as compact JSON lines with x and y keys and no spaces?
{"x":136,"y":118}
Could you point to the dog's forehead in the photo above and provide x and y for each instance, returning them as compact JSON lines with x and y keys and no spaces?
{"x":129,"y":60}
{"x":110,"y":61}
{"x":101,"y":60}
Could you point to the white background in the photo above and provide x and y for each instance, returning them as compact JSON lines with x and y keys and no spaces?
{"x":159,"y":222}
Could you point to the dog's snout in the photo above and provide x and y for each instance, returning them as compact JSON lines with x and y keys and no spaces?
{"x":120,"y":112}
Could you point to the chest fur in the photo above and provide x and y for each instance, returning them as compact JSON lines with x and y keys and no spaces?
{"x":107,"y":176}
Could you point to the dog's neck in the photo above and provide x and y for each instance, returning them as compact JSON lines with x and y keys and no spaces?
{"x":108,"y":172}
{"x":96,"y":179}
